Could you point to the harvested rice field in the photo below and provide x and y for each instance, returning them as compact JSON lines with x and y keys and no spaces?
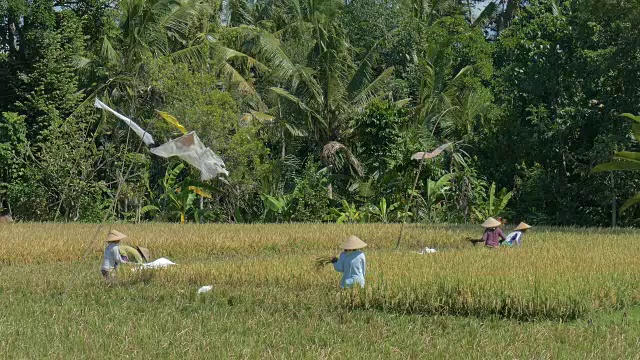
{"x":566,"y":293}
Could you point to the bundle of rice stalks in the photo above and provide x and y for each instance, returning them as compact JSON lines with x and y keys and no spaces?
{"x":322,"y":261}
{"x":472,"y":240}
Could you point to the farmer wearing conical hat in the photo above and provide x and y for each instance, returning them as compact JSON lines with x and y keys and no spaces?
{"x":351,"y":263}
{"x":515,"y":238}
{"x":492,"y":233}
{"x":112,"y":258}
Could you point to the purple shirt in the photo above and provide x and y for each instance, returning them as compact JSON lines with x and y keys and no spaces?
{"x":492,"y":237}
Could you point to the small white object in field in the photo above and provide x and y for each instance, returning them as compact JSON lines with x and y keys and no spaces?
{"x":159,"y":263}
{"x":6,"y":219}
{"x":426,"y":251}
{"x":205,"y":289}
{"x":162,"y":262}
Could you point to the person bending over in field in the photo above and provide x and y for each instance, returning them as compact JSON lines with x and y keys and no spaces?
{"x":492,"y":233}
{"x":112,"y":258}
{"x":137,"y":255}
{"x":515,"y":238}
{"x":351,"y":263}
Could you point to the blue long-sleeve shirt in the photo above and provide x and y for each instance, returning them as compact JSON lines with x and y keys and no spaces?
{"x":352,"y":265}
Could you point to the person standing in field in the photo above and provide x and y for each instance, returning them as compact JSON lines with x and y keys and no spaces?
{"x":492,"y":233}
{"x":351,"y":263}
{"x":515,"y":238}
{"x":112,"y":258}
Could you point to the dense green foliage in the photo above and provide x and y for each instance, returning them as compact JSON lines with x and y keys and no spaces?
{"x":316,"y":108}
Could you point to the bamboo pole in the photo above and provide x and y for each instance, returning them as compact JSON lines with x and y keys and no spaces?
{"x":413,"y":190}
{"x":421,"y":156}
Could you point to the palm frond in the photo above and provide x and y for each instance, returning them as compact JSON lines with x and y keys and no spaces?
{"x":196,"y":55}
{"x":362,"y":76}
{"x":373,"y":89}
{"x":233,"y":77}
{"x":294,"y":99}
{"x":269,"y":48}
{"x":107,"y":51}
{"x":294,"y":131}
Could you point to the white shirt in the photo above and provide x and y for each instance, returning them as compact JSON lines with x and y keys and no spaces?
{"x":111,"y":257}
{"x":514,"y":238}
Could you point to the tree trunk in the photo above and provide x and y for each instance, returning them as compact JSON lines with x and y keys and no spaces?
{"x":284,"y":147}
{"x":614,"y":205}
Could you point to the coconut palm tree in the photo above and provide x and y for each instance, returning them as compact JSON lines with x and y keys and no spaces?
{"x":187,"y":31}
{"x":428,"y":11}
{"x":328,"y":87}
{"x":439,"y":97}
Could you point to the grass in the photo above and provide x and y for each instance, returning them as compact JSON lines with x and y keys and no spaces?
{"x":568,"y":293}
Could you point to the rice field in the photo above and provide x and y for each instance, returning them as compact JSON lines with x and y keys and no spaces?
{"x":567,"y":293}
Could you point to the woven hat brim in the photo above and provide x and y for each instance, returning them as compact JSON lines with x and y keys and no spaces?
{"x":115,"y":236}
{"x":353,"y":243}
{"x":491,"y":223}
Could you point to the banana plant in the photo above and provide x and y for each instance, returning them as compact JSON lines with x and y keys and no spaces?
{"x":625,"y":160}
{"x":349,"y":213}
{"x":435,"y":191}
{"x":274,"y":206}
{"x":382,"y":212}
{"x":495,"y":205}
{"x":277,"y":206}
{"x":179,"y":197}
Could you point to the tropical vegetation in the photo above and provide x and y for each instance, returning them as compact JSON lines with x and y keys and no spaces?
{"x":316,"y":108}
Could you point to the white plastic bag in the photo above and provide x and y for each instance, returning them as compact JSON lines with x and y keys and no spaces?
{"x":190,"y":149}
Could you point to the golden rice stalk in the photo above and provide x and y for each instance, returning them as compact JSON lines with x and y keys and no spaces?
{"x":322,"y":261}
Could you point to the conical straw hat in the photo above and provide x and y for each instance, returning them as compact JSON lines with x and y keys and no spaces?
{"x":523,"y":226}
{"x":146,"y":254}
{"x":115,"y":235}
{"x":491,"y":223}
{"x":353,"y":243}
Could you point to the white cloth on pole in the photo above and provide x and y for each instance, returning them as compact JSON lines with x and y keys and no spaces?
{"x":190,"y":149}
{"x":187,"y":147}
{"x":144,"y":135}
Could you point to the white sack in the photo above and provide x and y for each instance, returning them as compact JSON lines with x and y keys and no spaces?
{"x":159,"y":263}
{"x":205,"y":289}
{"x":426,"y":251}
